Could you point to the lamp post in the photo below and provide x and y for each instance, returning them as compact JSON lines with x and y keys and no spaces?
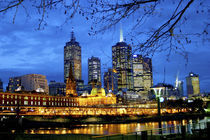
{"x":158,"y":94}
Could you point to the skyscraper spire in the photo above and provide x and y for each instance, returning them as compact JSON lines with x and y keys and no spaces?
{"x":121,"y":34}
{"x":177,"y":80}
{"x":72,"y":34}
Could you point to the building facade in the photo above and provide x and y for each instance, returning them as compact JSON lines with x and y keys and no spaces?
{"x":1,"y":86}
{"x":72,"y":54}
{"x":110,"y":81}
{"x":122,"y":63}
{"x":71,"y":84}
{"x":142,"y":75}
{"x":94,"y":69}
{"x":57,"y":88}
{"x":193,"y":85}
{"x":14,"y":84}
{"x":34,"y":82}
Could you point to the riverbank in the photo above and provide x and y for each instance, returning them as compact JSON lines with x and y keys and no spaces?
{"x":60,"y":121}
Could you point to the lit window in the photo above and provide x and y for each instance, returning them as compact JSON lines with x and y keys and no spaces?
{"x":25,"y":102}
{"x":44,"y":103}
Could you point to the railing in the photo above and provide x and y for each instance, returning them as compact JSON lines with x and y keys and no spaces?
{"x":179,"y":131}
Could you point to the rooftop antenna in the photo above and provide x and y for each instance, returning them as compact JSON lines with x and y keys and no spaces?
{"x":121,"y":33}
{"x":164,"y":75}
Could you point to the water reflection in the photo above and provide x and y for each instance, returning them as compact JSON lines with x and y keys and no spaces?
{"x":104,"y":129}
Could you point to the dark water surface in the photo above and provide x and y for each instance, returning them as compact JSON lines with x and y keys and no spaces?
{"x":105,"y":129}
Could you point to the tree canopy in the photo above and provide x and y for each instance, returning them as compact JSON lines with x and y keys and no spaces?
{"x":154,"y":25}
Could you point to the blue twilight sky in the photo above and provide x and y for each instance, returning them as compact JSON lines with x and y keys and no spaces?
{"x":25,"y":50}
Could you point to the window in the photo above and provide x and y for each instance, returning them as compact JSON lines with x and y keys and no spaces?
{"x":25,"y":102}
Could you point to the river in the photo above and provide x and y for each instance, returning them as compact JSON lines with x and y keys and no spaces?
{"x":108,"y":129}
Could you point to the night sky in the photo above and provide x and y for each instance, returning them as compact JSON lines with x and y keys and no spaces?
{"x":25,"y":50}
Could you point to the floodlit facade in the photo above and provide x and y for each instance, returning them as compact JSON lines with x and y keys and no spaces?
{"x":142,"y":75}
{"x":34,"y":82}
{"x":71,"y":84}
{"x":122,"y":63}
{"x":94,"y":69}
{"x":193,"y":85}
{"x":72,"y":54}
{"x":110,"y":81}
{"x":179,"y":87}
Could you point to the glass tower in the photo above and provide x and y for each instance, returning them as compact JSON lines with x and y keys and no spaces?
{"x":94,"y":69}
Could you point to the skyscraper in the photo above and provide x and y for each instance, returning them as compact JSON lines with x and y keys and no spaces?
{"x":193,"y":86}
{"x":142,"y":74}
{"x":122,"y":63}
{"x":1,"y":86}
{"x":179,"y":87}
{"x":72,"y":54}
{"x":94,"y":69}
{"x":110,"y":81}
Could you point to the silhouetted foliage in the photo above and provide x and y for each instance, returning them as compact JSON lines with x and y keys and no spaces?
{"x":166,"y":21}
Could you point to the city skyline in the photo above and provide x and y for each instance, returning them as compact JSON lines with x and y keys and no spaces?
{"x":25,"y":50}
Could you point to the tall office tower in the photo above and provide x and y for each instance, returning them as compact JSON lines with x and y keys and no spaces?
{"x":1,"y":86}
{"x":14,"y":84}
{"x":37,"y":82}
{"x":57,"y":88}
{"x":110,"y":81}
{"x":179,"y":87}
{"x":94,"y":70}
{"x":193,"y":86}
{"x":142,"y":75}
{"x":72,"y":54}
{"x":71,"y":83}
{"x":122,"y":63}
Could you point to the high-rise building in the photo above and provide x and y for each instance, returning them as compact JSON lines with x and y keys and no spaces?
{"x":179,"y":87}
{"x":72,"y":54}
{"x":1,"y":86}
{"x":193,"y":86}
{"x":14,"y":84}
{"x":57,"y":88}
{"x":34,"y":82}
{"x":122,"y":63}
{"x":142,"y":74}
{"x":94,"y":69}
{"x":110,"y":81}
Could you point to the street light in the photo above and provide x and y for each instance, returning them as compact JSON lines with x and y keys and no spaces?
{"x":159,"y":90}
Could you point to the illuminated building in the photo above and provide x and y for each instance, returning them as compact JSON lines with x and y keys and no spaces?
{"x":193,"y":86}
{"x":179,"y":87}
{"x":122,"y":63}
{"x":96,"y":105}
{"x":110,"y":81}
{"x":1,"y":86}
{"x":72,"y":54}
{"x":31,"y":82}
{"x":142,"y":75}
{"x":14,"y":84}
{"x":94,"y":69}
{"x":57,"y":88}
{"x":71,"y":83}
